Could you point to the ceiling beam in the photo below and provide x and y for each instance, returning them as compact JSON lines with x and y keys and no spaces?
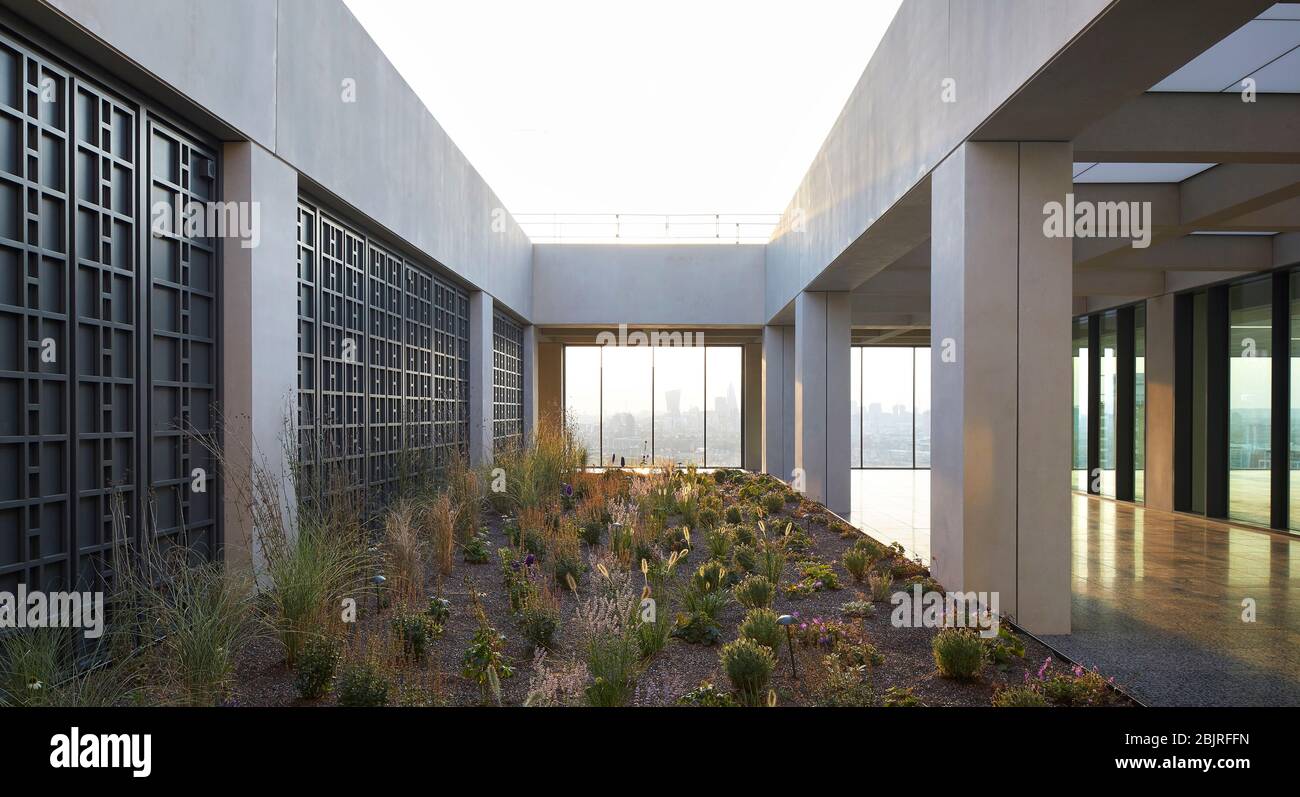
{"x":1196,"y":128}
{"x":1198,"y":253}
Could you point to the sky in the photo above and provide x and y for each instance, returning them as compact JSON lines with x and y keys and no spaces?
{"x":569,"y":106}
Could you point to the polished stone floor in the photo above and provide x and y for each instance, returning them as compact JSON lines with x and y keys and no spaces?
{"x":1160,"y":600}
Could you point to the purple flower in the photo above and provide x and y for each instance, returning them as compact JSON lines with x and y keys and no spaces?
{"x":1047,"y":662}
{"x":529,"y":560}
{"x":567,"y":489}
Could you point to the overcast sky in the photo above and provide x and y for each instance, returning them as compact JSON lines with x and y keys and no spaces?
{"x":614,"y":105}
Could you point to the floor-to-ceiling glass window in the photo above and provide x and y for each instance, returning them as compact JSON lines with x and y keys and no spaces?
{"x":855,"y":407}
{"x":887,"y":383}
{"x":1109,"y":343}
{"x":1079,"y":459}
{"x":639,"y":405}
{"x":626,"y":388}
{"x":679,"y":404}
{"x":1139,"y":402}
{"x":921,"y":412}
{"x":1250,"y":320}
{"x":1200,"y":384}
{"x":722,"y":428}
{"x":582,"y":396}
{"x":1293,"y":456}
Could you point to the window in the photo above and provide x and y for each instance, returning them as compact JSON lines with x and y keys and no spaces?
{"x":722,"y":428}
{"x":1139,"y":402}
{"x":1079,"y":464}
{"x":638,"y":405}
{"x":889,"y":406}
{"x":1108,"y":437}
{"x":1250,"y":320}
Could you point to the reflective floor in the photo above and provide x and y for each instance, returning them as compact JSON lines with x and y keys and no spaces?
{"x":1161,"y":601}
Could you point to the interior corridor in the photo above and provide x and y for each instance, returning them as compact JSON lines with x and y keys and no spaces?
{"x":1157,"y":597}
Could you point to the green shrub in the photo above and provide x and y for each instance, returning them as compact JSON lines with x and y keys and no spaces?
{"x":653,"y":637}
{"x":901,"y":697}
{"x":540,"y":620}
{"x":485,"y":662}
{"x":476,"y":550}
{"x":439,"y":610}
{"x":773,"y":502}
{"x":612,"y":660}
{"x":881,"y":586}
{"x":1018,"y":697}
{"x":958,"y":653}
{"x":416,"y":632}
{"x":719,"y":544}
{"x":858,"y":608}
{"x":744,"y":558}
{"x":706,"y":696}
{"x":591,"y":532}
{"x":316,"y":665}
{"x":698,"y":628}
{"x":843,"y":684}
{"x":814,"y":576}
{"x":770,"y":562}
{"x":873,"y":549}
{"x":363,"y":683}
{"x":743,"y":534}
{"x":857,"y":561}
{"x":566,"y":564}
{"x":1080,"y":688}
{"x":1003,"y":648}
{"x":708,"y":517}
{"x":733,"y":514}
{"x":761,"y":626}
{"x":710,"y":577}
{"x":748,"y":666}
{"x":756,"y":591}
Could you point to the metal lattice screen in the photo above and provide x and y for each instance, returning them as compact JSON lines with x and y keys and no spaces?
{"x":106,"y":327}
{"x":507,"y":382}
{"x":383,"y":360}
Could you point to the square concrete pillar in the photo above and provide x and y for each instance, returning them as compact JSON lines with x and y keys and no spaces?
{"x":1159,"y":493}
{"x":259,"y":347}
{"x":751,"y":403}
{"x":480,"y":378}
{"x":530,"y":381}
{"x":778,"y":401}
{"x":1000,"y":337}
{"x":821,"y":397}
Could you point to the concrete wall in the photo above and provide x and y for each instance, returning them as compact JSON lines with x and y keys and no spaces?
{"x":660,"y":284}
{"x":283,"y":88}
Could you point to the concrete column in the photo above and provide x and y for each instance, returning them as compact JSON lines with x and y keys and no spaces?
{"x":480,"y":378}
{"x":821,"y":396}
{"x":752,"y":407}
{"x":259,"y":351}
{"x":530,"y":381}
{"x":1000,"y":436}
{"x":774,"y":398}
{"x":1160,"y":403}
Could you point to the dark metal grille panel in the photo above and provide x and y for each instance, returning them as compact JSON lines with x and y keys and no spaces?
{"x":35,"y":462}
{"x":386,"y":369}
{"x":507,"y":382}
{"x":419,"y":360}
{"x":307,"y":343}
{"x":451,"y":371}
{"x":81,"y":281}
{"x":183,"y":357}
{"x":404,"y":399}
{"x":104,"y":293}
{"x":342,"y":346}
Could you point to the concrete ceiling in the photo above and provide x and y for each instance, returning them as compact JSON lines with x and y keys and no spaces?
{"x":1222,"y":177}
